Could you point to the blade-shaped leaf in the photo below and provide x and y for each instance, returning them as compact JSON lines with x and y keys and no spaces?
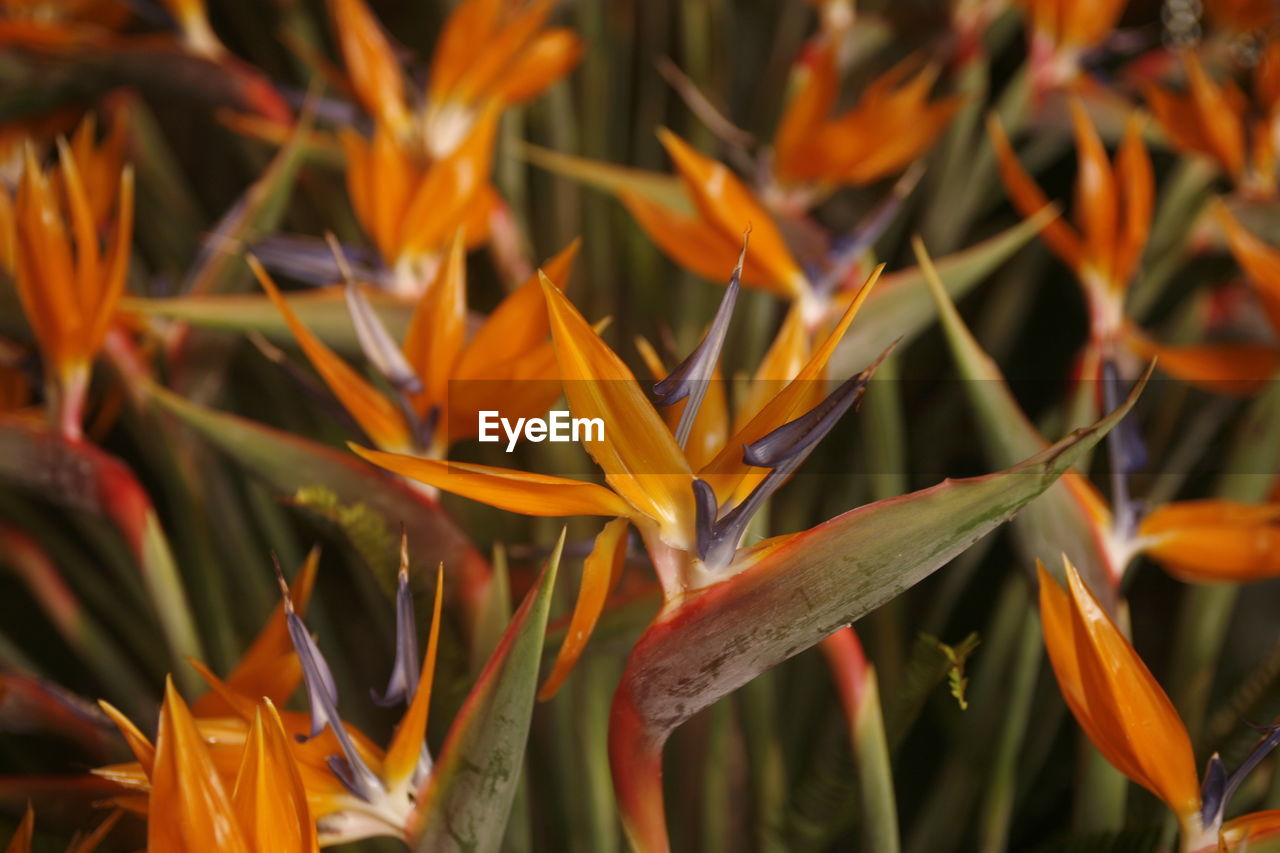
{"x":797,"y":591}
{"x":900,"y":308}
{"x":465,"y":802}
{"x":323,"y":311}
{"x":1065,"y":519}
{"x":288,"y":464}
{"x":81,"y":476}
{"x":661,"y":189}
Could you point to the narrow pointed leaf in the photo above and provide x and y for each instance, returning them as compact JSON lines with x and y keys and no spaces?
{"x":1070,"y":518}
{"x":466,"y":800}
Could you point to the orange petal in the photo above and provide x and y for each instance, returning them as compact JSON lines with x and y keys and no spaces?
{"x":1064,"y":655}
{"x":894,"y":107}
{"x":514,"y":491}
{"x":371,"y":62}
{"x":270,"y":667}
{"x":1234,"y":369}
{"x":639,"y":455}
{"x":1144,"y":736}
{"x":377,"y":416}
{"x":1250,"y":828}
{"x":518,"y":325}
{"x":269,"y":798}
{"x":445,"y":193}
{"x":816,"y":88}
{"x":487,"y":69}
{"x":1181,"y":121}
{"x":1214,"y":541}
{"x":44,"y":275}
{"x":437,"y":329}
{"x":599,"y":571}
{"x":1028,"y":198}
{"x":471,"y":23}
{"x":725,"y":203}
{"x":189,"y":808}
{"x":21,"y":841}
{"x":1096,"y":198}
{"x":135,"y":739}
{"x":546,"y":59}
{"x":407,"y":743}
{"x":1259,"y":260}
{"x":697,"y":245}
{"x":1221,"y":126}
{"x":1136,"y":186}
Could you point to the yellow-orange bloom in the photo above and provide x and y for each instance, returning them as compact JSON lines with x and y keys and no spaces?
{"x":266,"y":776}
{"x":425,"y":170}
{"x":521,"y":57}
{"x":507,"y":365}
{"x":708,"y":238}
{"x":892,"y":124}
{"x":1115,"y":698}
{"x":653,"y":477}
{"x":1218,"y":121}
{"x":1113,"y":207}
{"x":68,"y":282}
{"x":410,"y":206}
{"x":1131,"y":721}
{"x":192,"y":807}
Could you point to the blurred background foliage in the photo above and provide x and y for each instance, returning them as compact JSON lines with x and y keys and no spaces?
{"x":768,"y":768}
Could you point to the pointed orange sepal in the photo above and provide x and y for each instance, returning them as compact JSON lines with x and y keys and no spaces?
{"x":437,"y":329}
{"x":269,"y":799}
{"x":371,"y":62}
{"x":1113,"y":695}
{"x":639,"y":455}
{"x":726,"y":206}
{"x":189,"y":808}
{"x":600,"y":571}
{"x":1260,"y":260}
{"x":1214,"y":541}
{"x":408,"y":742}
{"x":514,"y":491}
{"x":137,"y":742}
{"x":1029,"y":199}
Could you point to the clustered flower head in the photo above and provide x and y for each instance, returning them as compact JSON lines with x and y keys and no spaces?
{"x":267,"y":273}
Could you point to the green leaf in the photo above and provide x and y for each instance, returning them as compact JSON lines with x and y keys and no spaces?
{"x":289,"y":464}
{"x":899,"y":307}
{"x":80,"y":476}
{"x":323,"y":311}
{"x":1057,"y":523}
{"x":665,"y":190}
{"x":465,"y":803}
